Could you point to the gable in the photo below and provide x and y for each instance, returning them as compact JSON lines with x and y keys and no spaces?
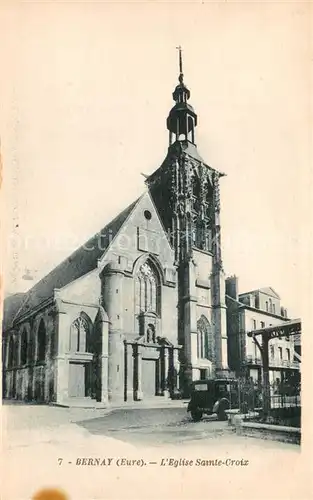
{"x":142,"y":232}
{"x":269,"y":291}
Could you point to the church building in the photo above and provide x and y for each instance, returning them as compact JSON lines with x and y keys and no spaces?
{"x":139,"y":310}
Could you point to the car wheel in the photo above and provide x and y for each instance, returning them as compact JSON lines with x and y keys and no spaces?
{"x":221,"y":411}
{"x":196,"y":415}
{"x":221,"y":415}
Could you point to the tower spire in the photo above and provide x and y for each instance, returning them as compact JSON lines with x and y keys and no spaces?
{"x":181,"y":74}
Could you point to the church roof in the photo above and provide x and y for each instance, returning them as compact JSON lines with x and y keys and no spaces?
{"x":82,"y":261}
{"x":185,"y":147}
{"x":175,"y":149}
{"x":11,"y":306}
{"x":192,"y":150}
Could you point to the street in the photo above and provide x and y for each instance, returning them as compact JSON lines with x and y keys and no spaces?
{"x":142,"y":426}
{"x":62,"y":447}
{"x":157,"y":427}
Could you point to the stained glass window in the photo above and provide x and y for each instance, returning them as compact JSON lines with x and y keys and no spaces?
{"x":41,"y":338}
{"x":11,"y":352}
{"x":205,"y":339}
{"x":80,"y":335}
{"x":24,"y":346}
{"x":146,"y":289}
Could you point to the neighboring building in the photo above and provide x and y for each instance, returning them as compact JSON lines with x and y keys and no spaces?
{"x":297,"y":348}
{"x":251,"y":311}
{"x":139,"y":310}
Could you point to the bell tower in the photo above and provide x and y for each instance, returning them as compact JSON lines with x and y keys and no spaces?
{"x":182,"y":119}
{"x":186,"y":193}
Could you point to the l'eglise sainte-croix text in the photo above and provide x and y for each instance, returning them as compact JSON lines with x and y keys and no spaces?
{"x":201,"y":462}
{"x":163,"y":462}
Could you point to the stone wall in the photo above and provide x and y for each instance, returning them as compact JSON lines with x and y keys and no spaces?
{"x":272,"y":432}
{"x":34,"y":379}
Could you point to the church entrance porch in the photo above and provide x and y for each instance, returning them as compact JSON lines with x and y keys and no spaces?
{"x":151,"y":369}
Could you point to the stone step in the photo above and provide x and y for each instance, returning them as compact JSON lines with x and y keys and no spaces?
{"x":80,"y":403}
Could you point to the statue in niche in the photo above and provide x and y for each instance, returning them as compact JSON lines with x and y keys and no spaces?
{"x":151,"y":333}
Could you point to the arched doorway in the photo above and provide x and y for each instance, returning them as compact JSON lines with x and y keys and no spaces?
{"x":147,"y":318}
{"x":81,"y":358}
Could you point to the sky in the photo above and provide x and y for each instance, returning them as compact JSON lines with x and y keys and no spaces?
{"x":86,"y":93}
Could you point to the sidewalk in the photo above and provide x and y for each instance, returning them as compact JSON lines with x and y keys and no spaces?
{"x":147,"y":403}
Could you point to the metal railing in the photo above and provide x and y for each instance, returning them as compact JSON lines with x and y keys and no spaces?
{"x":283,"y":363}
{"x":281,"y":395}
{"x":273,"y":362}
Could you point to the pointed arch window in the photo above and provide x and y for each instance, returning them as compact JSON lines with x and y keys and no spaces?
{"x":195,"y":186}
{"x":41,"y":341}
{"x":31,"y":347}
{"x":209,"y":196}
{"x":207,"y":238}
{"x":11,"y":352}
{"x":205,"y":339}
{"x":24,"y":347}
{"x":80,"y":334}
{"x":147,"y":289}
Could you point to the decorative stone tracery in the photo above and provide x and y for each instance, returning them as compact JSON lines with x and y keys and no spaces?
{"x":205,"y":339}
{"x":146,"y":285}
{"x":80,"y":333}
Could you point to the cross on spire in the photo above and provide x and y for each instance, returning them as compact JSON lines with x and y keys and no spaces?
{"x":181,"y":75}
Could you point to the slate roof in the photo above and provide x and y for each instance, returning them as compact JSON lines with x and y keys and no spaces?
{"x":82,"y":261}
{"x":175,"y":149}
{"x":192,"y":150}
{"x":11,"y":306}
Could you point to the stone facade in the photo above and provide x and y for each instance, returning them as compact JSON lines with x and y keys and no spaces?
{"x":139,"y":310}
{"x":251,"y":311}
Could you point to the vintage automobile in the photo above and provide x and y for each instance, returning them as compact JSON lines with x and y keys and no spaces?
{"x":213,"y":396}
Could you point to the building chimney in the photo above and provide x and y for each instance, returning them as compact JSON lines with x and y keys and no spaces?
{"x":231,"y":285}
